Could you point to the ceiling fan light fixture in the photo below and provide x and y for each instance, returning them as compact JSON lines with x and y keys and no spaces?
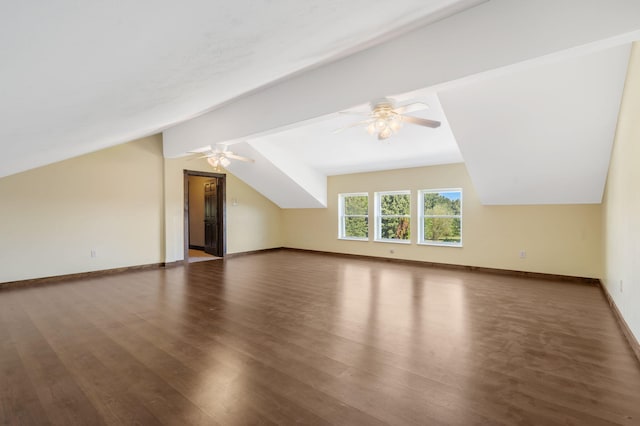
{"x":385,"y":119}
{"x":395,"y":124}
{"x":218,"y":158}
{"x":385,"y":133}
{"x":380,"y":123}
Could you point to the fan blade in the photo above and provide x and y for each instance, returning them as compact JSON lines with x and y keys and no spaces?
{"x":355,"y":112}
{"x":421,"y":121}
{"x":359,"y":123}
{"x":201,"y":156}
{"x":416,"y":106}
{"x":201,"y":150}
{"x":230,"y":154}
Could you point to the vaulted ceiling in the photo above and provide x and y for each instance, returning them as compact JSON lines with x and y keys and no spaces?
{"x":528,"y":92}
{"x":78,"y":76}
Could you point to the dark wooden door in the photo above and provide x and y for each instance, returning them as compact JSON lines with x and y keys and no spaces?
{"x":212,"y":224}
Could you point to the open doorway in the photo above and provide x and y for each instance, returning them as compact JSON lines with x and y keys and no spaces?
{"x":204,"y":216}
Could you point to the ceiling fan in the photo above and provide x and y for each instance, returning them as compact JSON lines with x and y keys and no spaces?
{"x":219,"y":157}
{"x":385,"y":119}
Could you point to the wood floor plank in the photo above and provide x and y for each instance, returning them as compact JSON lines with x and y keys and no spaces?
{"x":19,"y":404}
{"x":60,"y":396}
{"x":431,"y":360}
{"x":159,"y":399}
{"x":256,"y":338}
{"x":253,"y":339}
{"x":107,"y":392}
{"x":288,"y":337}
{"x":233,"y":363}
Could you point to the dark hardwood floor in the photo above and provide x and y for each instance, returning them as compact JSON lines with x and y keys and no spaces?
{"x":289,"y":337}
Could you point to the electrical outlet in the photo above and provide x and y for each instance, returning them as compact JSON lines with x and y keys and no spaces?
{"x":621,"y":287}
{"x":93,"y":253}
{"x":392,"y":251}
{"x":523,"y":254}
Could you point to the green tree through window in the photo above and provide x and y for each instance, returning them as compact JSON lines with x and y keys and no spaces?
{"x":354,"y":216}
{"x":441,"y":217}
{"x":393,"y":218}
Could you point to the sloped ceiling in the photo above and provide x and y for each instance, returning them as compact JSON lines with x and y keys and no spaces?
{"x":543,"y":134}
{"x":79,"y":76}
{"x":523,"y":88}
{"x":530,"y":90}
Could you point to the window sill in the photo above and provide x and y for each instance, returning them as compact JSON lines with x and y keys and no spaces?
{"x":440,"y":245}
{"x":393,"y":241}
{"x":352,"y":239}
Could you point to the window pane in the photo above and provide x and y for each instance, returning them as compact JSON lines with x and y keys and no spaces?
{"x":442,"y":230}
{"x":356,"y":227}
{"x":443,"y":203}
{"x":395,"y":204}
{"x":395,"y":228}
{"x":356,"y":204}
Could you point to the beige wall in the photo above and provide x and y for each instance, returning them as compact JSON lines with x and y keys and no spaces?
{"x":126,"y":203}
{"x":252,"y":224}
{"x":111,"y":201}
{"x":562,"y":239}
{"x":114,"y":202}
{"x":621,"y":206}
{"x":196,"y":210}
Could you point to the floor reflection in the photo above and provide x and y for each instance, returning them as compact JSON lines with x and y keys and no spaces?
{"x":292,"y":337}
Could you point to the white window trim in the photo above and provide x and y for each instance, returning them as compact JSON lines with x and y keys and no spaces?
{"x":341,"y":216}
{"x":421,"y":217}
{"x":378,"y":216}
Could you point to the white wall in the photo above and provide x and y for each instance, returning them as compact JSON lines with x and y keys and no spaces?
{"x":111,"y":201}
{"x":621,"y":205}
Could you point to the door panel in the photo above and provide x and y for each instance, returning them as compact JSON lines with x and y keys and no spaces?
{"x":212,"y":212}
{"x":211,"y":227}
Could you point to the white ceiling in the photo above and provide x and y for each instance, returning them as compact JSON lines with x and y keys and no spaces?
{"x":354,"y":150}
{"x":80,"y":76}
{"x":530,"y":90}
{"x":541,"y":134}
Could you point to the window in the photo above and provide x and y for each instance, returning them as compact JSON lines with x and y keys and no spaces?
{"x":440,"y":217}
{"x":353,"y":211}
{"x":393,"y":216}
